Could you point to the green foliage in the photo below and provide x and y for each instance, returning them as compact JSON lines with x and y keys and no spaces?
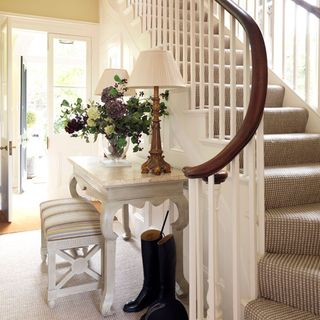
{"x":31,"y":119}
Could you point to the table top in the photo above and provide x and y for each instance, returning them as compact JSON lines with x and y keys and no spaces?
{"x":106,"y":176}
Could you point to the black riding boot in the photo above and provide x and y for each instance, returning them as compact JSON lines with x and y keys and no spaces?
{"x":150,"y":262}
{"x":167,"y":306}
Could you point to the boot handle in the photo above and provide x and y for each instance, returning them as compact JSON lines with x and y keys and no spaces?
{"x":164,"y":223}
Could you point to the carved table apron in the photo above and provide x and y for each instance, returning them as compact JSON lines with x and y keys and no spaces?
{"x":116,"y":188}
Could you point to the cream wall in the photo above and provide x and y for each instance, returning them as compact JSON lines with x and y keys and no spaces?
{"x":83,"y":10}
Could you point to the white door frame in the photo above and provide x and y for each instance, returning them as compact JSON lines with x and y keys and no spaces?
{"x":61,"y":26}
{"x":6,"y":119}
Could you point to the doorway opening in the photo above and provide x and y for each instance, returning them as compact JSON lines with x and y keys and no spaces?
{"x":30,"y":168}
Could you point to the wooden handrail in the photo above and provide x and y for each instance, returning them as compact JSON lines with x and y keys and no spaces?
{"x":257,"y":97}
{"x":309,"y":7}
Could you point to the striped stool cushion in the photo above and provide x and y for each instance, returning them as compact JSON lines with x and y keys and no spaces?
{"x":69,"y":218}
{"x":73,"y":230}
{"x":53,"y":207}
{"x":72,"y":224}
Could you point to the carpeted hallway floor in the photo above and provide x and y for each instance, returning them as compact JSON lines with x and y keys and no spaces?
{"x":23,"y":283}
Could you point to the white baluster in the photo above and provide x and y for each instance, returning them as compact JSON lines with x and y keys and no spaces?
{"x":193,"y":213}
{"x":171,"y":24}
{"x":246,"y":92}
{"x":221,"y":75}
{"x":260,"y":189}
{"x":184,"y":42}
{"x":233,"y":105}
{"x":165,"y":25}
{"x":214,"y":290}
{"x":154,"y":23}
{"x":144,"y":15}
{"x":235,"y":172}
{"x":295,"y":59}
{"x":177,"y":28}
{"x":192,"y":55}
{"x":251,"y":152}
{"x":201,"y":54}
{"x":159,"y":27}
{"x":210,"y":68}
{"x":199,"y":247}
{"x":307,"y":60}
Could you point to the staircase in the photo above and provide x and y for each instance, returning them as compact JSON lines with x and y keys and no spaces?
{"x":289,"y":272}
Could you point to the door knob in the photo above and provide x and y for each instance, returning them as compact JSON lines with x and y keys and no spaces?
{"x":4,"y":148}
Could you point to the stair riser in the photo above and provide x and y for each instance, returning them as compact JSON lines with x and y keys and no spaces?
{"x":274,"y":96}
{"x":296,"y":119}
{"x":291,"y":190}
{"x":179,"y":25}
{"x":239,"y":55}
{"x":239,"y":73}
{"x":181,"y":15}
{"x":285,"y":120}
{"x":197,"y":40}
{"x":287,"y":152}
{"x":293,"y":232}
{"x":291,"y":280}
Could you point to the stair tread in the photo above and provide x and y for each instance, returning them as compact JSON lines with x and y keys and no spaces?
{"x":291,"y":136}
{"x":294,"y":229}
{"x":293,"y":170}
{"x":291,"y":279}
{"x":264,"y":309}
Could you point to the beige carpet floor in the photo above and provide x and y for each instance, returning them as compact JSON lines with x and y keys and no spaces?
{"x":23,"y":282}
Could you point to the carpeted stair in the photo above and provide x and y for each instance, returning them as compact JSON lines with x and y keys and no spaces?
{"x":289,"y":273}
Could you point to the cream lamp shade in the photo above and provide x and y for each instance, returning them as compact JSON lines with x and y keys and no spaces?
{"x":155,"y":68}
{"x":107,"y":80}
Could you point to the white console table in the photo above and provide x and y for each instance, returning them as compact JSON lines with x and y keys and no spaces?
{"x":116,"y":188}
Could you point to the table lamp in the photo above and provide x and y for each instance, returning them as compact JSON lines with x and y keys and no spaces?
{"x":155,"y":69}
{"x":107,"y":80}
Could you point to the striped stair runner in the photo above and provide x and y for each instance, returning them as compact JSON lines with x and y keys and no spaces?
{"x":289,"y":273}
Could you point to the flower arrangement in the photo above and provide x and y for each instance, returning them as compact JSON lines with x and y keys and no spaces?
{"x":116,"y":118}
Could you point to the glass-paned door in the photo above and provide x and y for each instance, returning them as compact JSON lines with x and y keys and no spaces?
{"x":69,"y":78}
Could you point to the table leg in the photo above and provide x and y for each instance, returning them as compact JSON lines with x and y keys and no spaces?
{"x":125,"y":221}
{"x":177,"y":231}
{"x":109,"y":210}
{"x":73,"y":188}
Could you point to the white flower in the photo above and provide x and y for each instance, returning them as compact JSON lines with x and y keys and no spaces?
{"x":93,"y":113}
{"x":91,"y":122}
{"x":109,"y":130}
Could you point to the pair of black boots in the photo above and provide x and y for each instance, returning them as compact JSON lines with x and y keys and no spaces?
{"x":158,"y":291}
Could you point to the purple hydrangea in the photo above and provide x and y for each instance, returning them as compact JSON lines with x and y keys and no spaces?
{"x":116,"y":109}
{"x":75,"y":124}
{"x":109,"y":94}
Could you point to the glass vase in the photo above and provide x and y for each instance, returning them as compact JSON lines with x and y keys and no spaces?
{"x":112,"y":152}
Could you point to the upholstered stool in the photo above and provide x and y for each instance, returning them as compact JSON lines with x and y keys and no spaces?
{"x":66,"y":226}
{"x":58,"y":206}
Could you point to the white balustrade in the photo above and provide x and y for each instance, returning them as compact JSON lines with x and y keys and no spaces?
{"x":196,"y":32}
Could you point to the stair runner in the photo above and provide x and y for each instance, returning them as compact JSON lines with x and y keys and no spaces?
{"x":289,"y":272}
